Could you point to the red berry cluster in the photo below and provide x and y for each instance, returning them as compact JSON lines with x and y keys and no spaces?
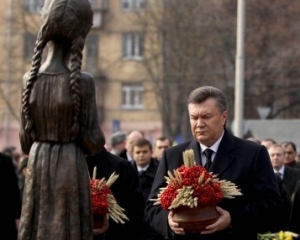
{"x":99,"y":198}
{"x":207,"y":192}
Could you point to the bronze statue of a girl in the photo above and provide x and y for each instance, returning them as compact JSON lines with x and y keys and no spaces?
{"x":59,"y":127}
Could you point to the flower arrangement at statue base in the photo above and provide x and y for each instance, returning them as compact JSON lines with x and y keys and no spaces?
{"x":282,"y":235}
{"x":193,"y":193}
{"x":104,"y":203}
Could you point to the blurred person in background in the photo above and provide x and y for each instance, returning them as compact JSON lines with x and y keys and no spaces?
{"x":268,"y":142}
{"x":290,"y":154}
{"x":146,"y":167}
{"x":253,"y":139}
{"x":14,"y":154}
{"x":117,"y":143}
{"x":160,"y":145}
{"x":10,"y":201}
{"x":289,"y":175}
{"x":130,"y":138}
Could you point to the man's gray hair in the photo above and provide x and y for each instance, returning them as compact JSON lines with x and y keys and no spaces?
{"x":201,"y":94}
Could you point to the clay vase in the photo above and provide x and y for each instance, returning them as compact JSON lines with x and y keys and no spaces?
{"x":98,"y":221}
{"x":195,"y":219}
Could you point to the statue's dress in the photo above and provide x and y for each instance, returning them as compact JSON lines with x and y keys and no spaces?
{"x":56,"y":202}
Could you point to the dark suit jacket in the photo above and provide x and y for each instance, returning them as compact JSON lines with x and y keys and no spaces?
{"x":147,"y":177}
{"x":295,"y":215}
{"x":290,"y":178}
{"x":10,"y":202}
{"x":294,"y":164}
{"x":280,"y":220}
{"x":242,"y":162}
{"x":127,"y":192}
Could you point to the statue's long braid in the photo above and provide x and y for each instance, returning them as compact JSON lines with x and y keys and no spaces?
{"x":75,"y":77}
{"x":35,"y":66}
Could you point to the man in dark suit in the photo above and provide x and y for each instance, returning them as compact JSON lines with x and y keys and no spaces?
{"x":10,"y":202}
{"x":126,"y":191}
{"x":242,"y":162}
{"x":290,"y":154}
{"x":289,"y":175}
{"x":144,"y":164}
{"x":146,"y":168}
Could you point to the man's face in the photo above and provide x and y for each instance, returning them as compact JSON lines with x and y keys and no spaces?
{"x":289,"y":154}
{"x":207,"y":123}
{"x":142,"y":155}
{"x":276,"y":156}
{"x":160,"y":146}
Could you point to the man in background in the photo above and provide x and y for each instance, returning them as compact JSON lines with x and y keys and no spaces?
{"x":268,"y":142}
{"x":289,"y":175}
{"x":146,"y":168}
{"x":130,"y":138}
{"x":290,"y":154}
{"x":10,"y":201}
{"x":161,"y":144}
{"x":117,"y":143}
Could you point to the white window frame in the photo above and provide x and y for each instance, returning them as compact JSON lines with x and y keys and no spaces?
{"x":133,"y":5}
{"x":132,"y":91}
{"x":132,"y":46}
{"x":33,"y":6}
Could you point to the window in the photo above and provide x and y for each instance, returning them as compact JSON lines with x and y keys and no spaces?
{"x":92,"y":51}
{"x":33,"y":6}
{"x":28,"y":45}
{"x":133,"y":5}
{"x":132,"y":95}
{"x":92,"y":45}
{"x":132,"y":46}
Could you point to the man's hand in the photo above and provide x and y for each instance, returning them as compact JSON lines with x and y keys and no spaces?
{"x":103,"y":229}
{"x":174,"y":225}
{"x":223,"y":222}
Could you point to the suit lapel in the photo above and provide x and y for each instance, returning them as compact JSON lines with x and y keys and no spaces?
{"x":225,"y":154}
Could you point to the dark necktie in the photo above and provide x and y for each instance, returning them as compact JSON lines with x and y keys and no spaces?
{"x":279,"y":174}
{"x":208,"y":153}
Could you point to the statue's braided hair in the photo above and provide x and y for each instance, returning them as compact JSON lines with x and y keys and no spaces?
{"x":70,"y":19}
{"x":76,"y":58}
{"x":35,"y":65}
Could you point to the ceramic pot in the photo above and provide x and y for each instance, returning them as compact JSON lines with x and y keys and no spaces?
{"x":98,"y":221}
{"x":195,"y":219}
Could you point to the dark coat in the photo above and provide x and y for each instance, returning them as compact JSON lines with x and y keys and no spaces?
{"x":126,"y":190}
{"x":290,"y":178}
{"x":293,"y":164}
{"x":147,"y":177}
{"x":295,"y":215}
{"x":123,"y":154}
{"x":280,"y":220}
{"x":242,"y":162}
{"x":10,"y":201}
